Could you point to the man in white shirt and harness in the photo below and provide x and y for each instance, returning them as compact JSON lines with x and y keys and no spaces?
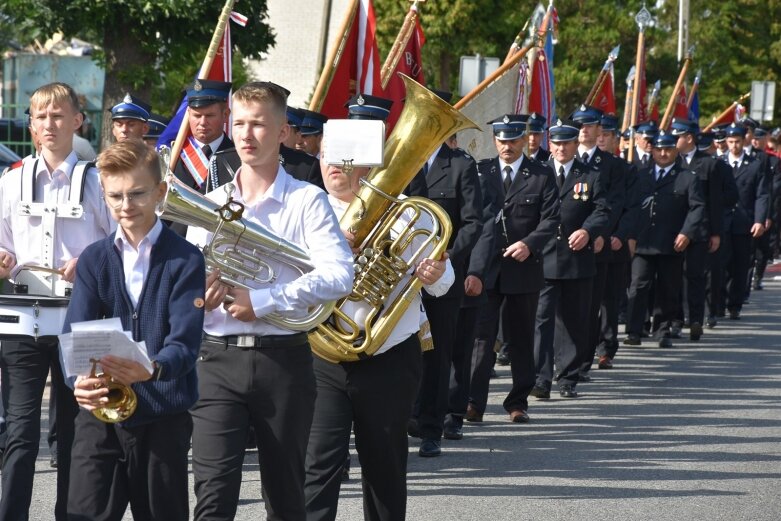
{"x":52,"y":209}
{"x":252,"y":372}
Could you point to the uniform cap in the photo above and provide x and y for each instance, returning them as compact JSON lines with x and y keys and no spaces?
{"x":509,"y":126}
{"x":364,"y":106}
{"x":564,"y":130}
{"x":587,"y":115}
{"x":131,"y":108}
{"x":312,"y":123}
{"x":202,"y":93}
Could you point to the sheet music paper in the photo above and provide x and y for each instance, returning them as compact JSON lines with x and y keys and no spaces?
{"x":95,"y":339}
{"x":361,"y":141}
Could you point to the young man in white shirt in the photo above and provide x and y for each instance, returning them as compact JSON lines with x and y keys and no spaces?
{"x":252,"y":372}
{"x":51,"y":210}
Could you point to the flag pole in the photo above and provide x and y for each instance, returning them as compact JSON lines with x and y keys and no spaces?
{"x":630,"y":79}
{"x":402,"y":39}
{"x":695,"y":88}
{"x":208,"y":60}
{"x":514,"y":59}
{"x":668,"y":112}
{"x":602,"y":75}
{"x":726,"y":111}
{"x":327,"y":75}
{"x":642,"y":19}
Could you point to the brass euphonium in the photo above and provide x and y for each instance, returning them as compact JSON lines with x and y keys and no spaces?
{"x":423,"y":126}
{"x":240,"y":249}
{"x":122,"y":399}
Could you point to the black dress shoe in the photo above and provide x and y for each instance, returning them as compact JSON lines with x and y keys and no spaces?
{"x":412,"y":428}
{"x":567,"y":391}
{"x":452,"y":432}
{"x":675,"y":331}
{"x":541,"y":393}
{"x":734,"y":314}
{"x":632,"y":340}
{"x":711,"y":322}
{"x":519,"y":416}
{"x":502,"y":359}
{"x":53,"y":461}
{"x":473,"y":415}
{"x":605,"y":362}
{"x":665,"y":342}
{"x":695,"y":331}
{"x":430,"y":448}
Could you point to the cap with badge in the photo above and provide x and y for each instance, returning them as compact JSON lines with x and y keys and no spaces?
{"x":749,"y":122}
{"x":202,"y":93}
{"x":312,"y":123}
{"x":679,"y":127}
{"x":646,"y":129}
{"x":719,"y":133}
{"x":295,"y":117}
{"x":760,"y":132}
{"x":705,"y":140}
{"x":564,"y":130}
{"x":509,"y":126}
{"x":131,"y":108}
{"x":735,"y":130}
{"x":586,"y":115}
{"x":157,"y":124}
{"x":609,"y":122}
{"x":537,"y":123}
{"x":664,"y":139}
{"x":364,"y":106}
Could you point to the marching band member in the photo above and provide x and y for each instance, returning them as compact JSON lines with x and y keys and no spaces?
{"x":51,"y":210}
{"x":251,"y":372}
{"x":153,"y":280}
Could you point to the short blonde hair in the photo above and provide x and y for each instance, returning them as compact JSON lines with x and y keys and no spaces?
{"x":125,"y":156}
{"x":57,"y":92}
{"x":264,"y":92}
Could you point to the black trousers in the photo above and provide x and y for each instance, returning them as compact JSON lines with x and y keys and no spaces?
{"x":615,"y":292}
{"x":518,"y":315}
{"x":432,"y":399}
{"x":714,"y":282}
{"x":461,"y":371}
{"x":375,"y":397}
{"x":25,"y":365}
{"x":737,"y":262}
{"x":594,"y":323}
{"x":694,"y":281}
{"x":763,"y":254}
{"x":144,"y":465}
{"x":561,"y":333}
{"x":664,"y":273}
{"x":274,"y":391}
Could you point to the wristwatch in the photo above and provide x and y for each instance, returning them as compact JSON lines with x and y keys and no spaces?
{"x":157,"y":371}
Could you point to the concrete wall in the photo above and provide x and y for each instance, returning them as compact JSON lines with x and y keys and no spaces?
{"x":302,"y":28}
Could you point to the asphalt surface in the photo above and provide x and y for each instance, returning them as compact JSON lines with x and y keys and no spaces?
{"x":689,"y":433}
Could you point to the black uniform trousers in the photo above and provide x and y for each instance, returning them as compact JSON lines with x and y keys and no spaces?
{"x":763,"y":254}
{"x":518,"y":316}
{"x":737,"y":262}
{"x":274,"y":391}
{"x":431,"y":405}
{"x":594,"y":322}
{"x":461,"y":371}
{"x":144,"y":465}
{"x":562,"y":334}
{"x":375,"y":396}
{"x":694,"y":282}
{"x":664,"y":273}
{"x":25,"y":365}
{"x":615,"y":292}
{"x":714,"y":282}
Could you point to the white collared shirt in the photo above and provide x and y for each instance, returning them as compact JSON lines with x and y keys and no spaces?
{"x":731,"y":159}
{"x":567,"y":167}
{"x":515,"y":165}
{"x":299,"y":213}
{"x":433,"y":156}
{"x":214,"y":145}
{"x":409,"y":324}
{"x":688,"y":156}
{"x":21,"y":235}
{"x":667,"y":169}
{"x":590,"y":152}
{"x":642,"y":153}
{"x":135,"y":262}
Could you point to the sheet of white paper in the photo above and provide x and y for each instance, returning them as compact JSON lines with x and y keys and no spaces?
{"x":359,"y":141}
{"x":106,"y":324}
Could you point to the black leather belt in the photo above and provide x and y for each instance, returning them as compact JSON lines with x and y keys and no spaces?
{"x":256,"y":342}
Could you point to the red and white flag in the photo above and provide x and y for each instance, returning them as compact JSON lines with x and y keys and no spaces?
{"x":411,"y":64}
{"x":681,"y":109}
{"x":605,"y":98}
{"x":359,"y":65}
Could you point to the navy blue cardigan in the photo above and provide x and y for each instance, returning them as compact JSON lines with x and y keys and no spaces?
{"x":168,"y":316}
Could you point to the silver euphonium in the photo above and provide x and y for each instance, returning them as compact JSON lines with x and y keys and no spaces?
{"x":238,"y":248}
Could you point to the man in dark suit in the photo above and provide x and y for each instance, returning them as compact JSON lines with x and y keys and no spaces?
{"x":621,"y":245}
{"x":569,"y":266}
{"x":311,"y":131}
{"x":712,"y":174}
{"x":673,"y":216}
{"x":536,"y":129}
{"x":526,"y":221}
{"x":744,"y":221}
{"x":645,"y":133}
{"x":130,"y":118}
{"x":451,"y":177}
{"x":612,"y":181}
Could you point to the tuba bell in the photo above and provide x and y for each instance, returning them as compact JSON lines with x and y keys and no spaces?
{"x":122,"y":399}
{"x":425,"y":122}
{"x":240,"y":249}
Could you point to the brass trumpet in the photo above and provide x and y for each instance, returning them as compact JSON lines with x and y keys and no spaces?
{"x":122,"y":399}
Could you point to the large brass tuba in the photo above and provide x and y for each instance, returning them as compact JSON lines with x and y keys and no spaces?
{"x":423,"y":126}
{"x":240,"y":249}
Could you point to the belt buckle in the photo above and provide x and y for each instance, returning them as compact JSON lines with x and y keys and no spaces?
{"x":245,"y":341}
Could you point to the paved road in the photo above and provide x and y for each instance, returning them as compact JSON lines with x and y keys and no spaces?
{"x":691,"y":433}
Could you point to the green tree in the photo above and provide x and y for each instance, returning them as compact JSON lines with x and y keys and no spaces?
{"x":152,"y":48}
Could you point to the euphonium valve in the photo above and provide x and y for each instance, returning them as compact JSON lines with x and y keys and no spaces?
{"x":122,"y":399}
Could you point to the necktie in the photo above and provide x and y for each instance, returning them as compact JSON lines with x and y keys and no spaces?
{"x":508,"y":178}
{"x":645,"y":159}
{"x":660,"y":175}
{"x":560,"y":177}
{"x":735,"y":167}
{"x":207,"y":151}
{"x":584,"y":157}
